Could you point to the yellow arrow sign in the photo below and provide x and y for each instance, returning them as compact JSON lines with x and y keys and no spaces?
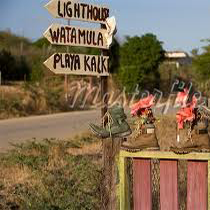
{"x":75,"y":36}
{"x":75,"y":10}
{"x":78,"y":64}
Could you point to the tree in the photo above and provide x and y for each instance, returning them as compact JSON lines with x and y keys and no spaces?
{"x":41,"y":42}
{"x":201,"y":64}
{"x":22,"y":69}
{"x":139,"y":61}
{"x":114,"y":56}
{"x":7,"y":61}
{"x":194,"y":52}
{"x":13,"y":68}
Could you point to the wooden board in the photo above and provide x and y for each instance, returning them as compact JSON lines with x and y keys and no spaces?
{"x":78,"y":64}
{"x":75,"y":36}
{"x":208,"y":184}
{"x":168,"y":185}
{"x":165,"y":155}
{"x":124,"y":185}
{"x":74,"y":10}
{"x":142,"y":190}
{"x":197,"y":185}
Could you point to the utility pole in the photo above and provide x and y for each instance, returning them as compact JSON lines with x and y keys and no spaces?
{"x":66,"y":77}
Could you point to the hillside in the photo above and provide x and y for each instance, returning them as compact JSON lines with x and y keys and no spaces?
{"x":14,"y":48}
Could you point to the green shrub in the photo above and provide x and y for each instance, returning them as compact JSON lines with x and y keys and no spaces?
{"x":13,"y":68}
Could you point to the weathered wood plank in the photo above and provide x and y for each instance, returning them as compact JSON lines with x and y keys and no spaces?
{"x":142,"y":189}
{"x":165,"y":155}
{"x":124,"y":187}
{"x":168,"y":185}
{"x":209,"y":184}
{"x":74,"y":10}
{"x":197,"y":185}
{"x":74,"y":36}
{"x":78,"y":64}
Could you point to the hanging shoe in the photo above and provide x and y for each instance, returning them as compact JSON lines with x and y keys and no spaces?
{"x":116,"y":125}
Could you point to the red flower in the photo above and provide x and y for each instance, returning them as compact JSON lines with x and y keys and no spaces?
{"x":143,"y":104}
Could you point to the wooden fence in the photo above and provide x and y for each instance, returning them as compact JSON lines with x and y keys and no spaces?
{"x":197,"y":182}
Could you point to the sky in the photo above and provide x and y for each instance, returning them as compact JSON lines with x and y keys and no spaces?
{"x":179,"y":24}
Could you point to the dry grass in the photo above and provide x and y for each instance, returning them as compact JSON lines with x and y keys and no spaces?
{"x":92,"y":149}
{"x":14,"y":175}
{"x":51,"y":174}
{"x":27,"y":99}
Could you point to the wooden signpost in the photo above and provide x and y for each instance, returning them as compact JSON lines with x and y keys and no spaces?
{"x":75,"y":36}
{"x":75,"y":10}
{"x":79,"y":64}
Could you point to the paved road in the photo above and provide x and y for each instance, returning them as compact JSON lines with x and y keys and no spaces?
{"x":48,"y":126}
{"x":59,"y":126}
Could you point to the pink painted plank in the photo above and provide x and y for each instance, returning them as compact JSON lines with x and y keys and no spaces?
{"x":168,"y":185}
{"x":142,"y":190}
{"x":197,"y":185}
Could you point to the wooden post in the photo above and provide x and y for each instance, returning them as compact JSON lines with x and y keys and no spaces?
{"x":104,"y":91}
{"x":111,"y":148}
{"x":66,"y":87}
{"x":65,"y":76}
{"x":107,"y":168}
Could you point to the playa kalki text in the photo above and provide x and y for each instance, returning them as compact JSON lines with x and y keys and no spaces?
{"x":78,"y":64}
